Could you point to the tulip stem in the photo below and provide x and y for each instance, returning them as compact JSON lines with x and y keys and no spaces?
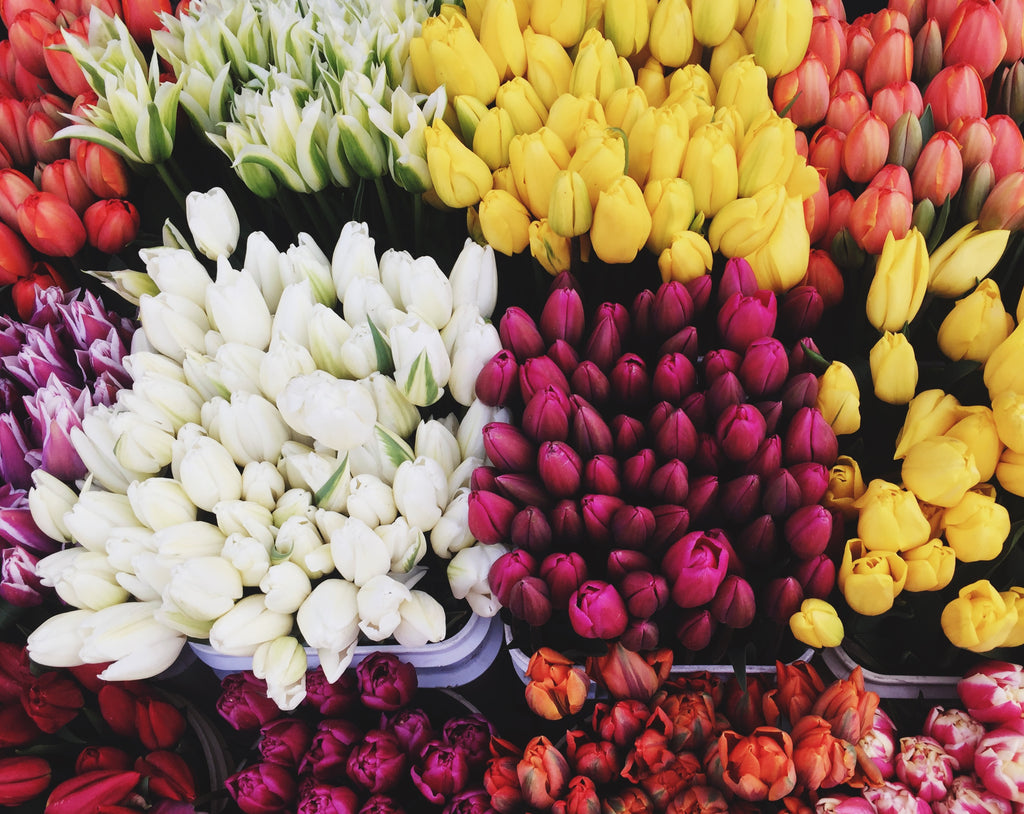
{"x":172,"y":186}
{"x":385,"y":206}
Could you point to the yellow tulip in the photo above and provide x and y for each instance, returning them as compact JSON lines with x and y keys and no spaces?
{"x":745,"y":224}
{"x":976,"y":527}
{"x":688,"y":257}
{"x":976,"y":325}
{"x":562,"y":20}
{"x":744,"y":85}
{"x":658,"y":143}
{"x":671,"y":39}
{"x":979,"y":619}
{"x":964,"y":258}
{"x":597,"y":70}
{"x":691,"y":82}
{"x":781,"y":263}
{"x":600,"y":158}
{"x":492,"y":137}
{"x":570,"y":213}
{"x":518,"y":97}
{"x":767,"y":154}
{"x":817,"y":624}
{"x":624,"y":107}
{"x":778,"y":33}
{"x":1014,"y":598}
{"x":845,"y":486}
{"x":976,"y":427}
{"x":839,"y":398}
{"x":502,"y":38}
{"x":622,"y":223}
{"x":502,"y":178}
{"x":448,"y":53}
{"x":929,"y":567}
{"x":870,"y":581}
{"x":504,"y":222}
{"x":930,"y":413}
{"x":893,"y":368}
{"x":1003,"y":370}
{"x":710,"y":167}
{"x":548,"y":66}
{"x":733,"y":48}
{"x":940,"y":470}
{"x":568,"y":114}
{"x":469,"y":111}
{"x":670,"y":203}
{"x":651,"y":79}
{"x":1010,"y":472}
{"x":899,"y":283}
{"x":535,"y":160}
{"x":552,"y":251}
{"x":460,"y":177}
{"x":1008,"y":412}
{"x":627,"y":25}
{"x":713,"y":20}
{"x":890,"y":518}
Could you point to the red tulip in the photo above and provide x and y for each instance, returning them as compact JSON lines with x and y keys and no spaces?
{"x":111,"y":225}
{"x":65,"y":180}
{"x":15,"y":259}
{"x":543,"y":773}
{"x":975,"y":36}
{"x":15,"y":187}
{"x":26,"y":32}
{"x":892,"y":101}
{"x":168,"y":774}
{"x":52,"y":700}
{"x":627,"y":674}
{"x":502,"y":783}
{"x":22,"y":778}
{"x":1008,"y":150}
{"x":822,"y":760}
{"x":956,"y":90}
{"x":890,"y":61}
{"x":141,"y":17}
{"x":866,"y":148}
{"x":24,"y":290}
{"x":828,"y":43}
{"x":939,"y":169}
{"x":51,"y":226}
{"x":803,"y":92}
{"x":61,"y":66}
{"x":847,"y":706}
{"x":91,"y":791}
{"x":14,"y":130}
{"x":92,"y":758}
{"x":104,"y":170}
{"x":882,"y":208}
{"x":859,"y":45}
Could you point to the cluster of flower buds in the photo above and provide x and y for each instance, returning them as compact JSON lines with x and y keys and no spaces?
{"x":134,"y":759}
{"x":691,"y":742}
{"x":359,"y":745}
{"x":964,"y":760}
{"x":57,"y":195}
{"x":552,"y":99}
{"x":282,"y":457}
{"x":664,"y":472}
{"x":65,"y":358}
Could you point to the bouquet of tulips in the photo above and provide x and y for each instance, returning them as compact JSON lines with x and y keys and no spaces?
{"x":363,"y":744}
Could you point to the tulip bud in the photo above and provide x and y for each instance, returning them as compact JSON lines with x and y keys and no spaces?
{"x":597,"y":611}
{"x":490,"y":516}
{"x":563,"y":573}
{"x":589,"y":382}
{"x":696,"y":629}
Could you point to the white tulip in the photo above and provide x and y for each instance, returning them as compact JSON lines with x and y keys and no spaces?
{"x":296,"y":537}
{"x":422,"y":620}
{"x":329,"y":621}
{"x":293,"y":503}
{"x":204,"y":588}
{"x":87,"y":581}
{"x":148,"y":577}
{"x":236,"y":308}
{"x":451,"y":534}
{"x":327,"y":333}
{"x":95,"y":515}
{"x":306,"y":261}
{"x":422,"y":365}
{"x":473,"y":348}
{"x":249,"y":427}
{"x":142,"y":444}
{"x":173,"y":324}
{"x":394,"y":265}
{"x":358,"y":354}
{"x":378,"y":602}
{"x":286,"y":586}
{"x":436,"y":440}
{"x":146,"y":363}
{"x":335,"y":412}
{"x":129,"y":636}
{"x":249,"y":556}
{"x":371,"y":500}
{"x":214,"y":340}
{"x":172,"y":617}
{"x":247,"y":625}
{"x":207,"y":472}
{"x":262,"y":483}
{"x":426,"y":292}
{"x":284,"y":360}
{"x":462,"y":318}
{"x":124,"y":544}
{"x":204,"y":376}
{"x":166,"y":397}
{"x":249,"y":519}
{"x":49,"y":499}
{"x":358,"y":554}
{"x":467,"y":577}
{"x":282,"y":663}
{"x":462,"y":476}
{"x":394,"y":410}
{"x":160,"y":502}
{"x":471,"y":428}
{"x":294,"y":311}
{"x":353,"y":256}
{"x":474,"y":277}
{"x":94,"y":442}
{"x":324,"y":476}
{"x":58,"y":641}
{"x":213,"y":222}
{"x":237,"y":368}
{"x":178,"y":272}
{"x":421,"y":492}
{"x":262,"y":261}
{"x":407,"y":544}
{"x":185,"y":541}
{"x":366,"y":300}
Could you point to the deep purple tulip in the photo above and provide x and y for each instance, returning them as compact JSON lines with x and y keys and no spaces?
{"x":733,"y":603}
{"x":530,"y":601}
{"x":243,"y":702}
{"x":508,"y":448}
{"x":601,"y":475}
{"x":498,"y":380}
{"x":808,"y":530}
{"x":817,"y":575}
{"x":724,"y":391}
{"x":596,"y":611}
{"x":628,"y":435}
{"x":618,"y":313}
{"x":589,"y":434}
{"x":567,"y":523}
{"x":564,"y":572}
{"x":565,"y":356}
{"x":670,"y":523}
{"x":604,"y":344}
{"x":673,"y":308}
{"x":381,"y":804}
{"x":809,"y":438}
{"x":331,"y":700}
{"x":17,"y":457}
{"x":560,"y":469}
{"x":767,"y":459}
{"x":263,"y":788}
{"x":740,"y":429}
{"x":757,"y":543}
{"x":510,"y":568}
{"x":641,"y":635}
{"x":520,"y":335}
{"x":636,"y":472}
{"x":484,"y":479}
{"x":684,"y":341}
{"x":40,"y":357}
{"x":641,"y":312}
{"x":622,"y":561}
{"x":317,"y":798}
{"x":546,"y":415}
{"x":699,"y":289}
{"x":801,"y":310}
{"x":285,"y":741}
{"x":562,"y":317}
{"x":772,"y":412}
{"x":470,"y":801}
{"x":326,"y":760}
{"x":695,"y":629}
{"x":411,"y":726}
{"x":645,"y":593}
{"x":737,"y":277}
{"x":526,"y":490}
{"x":813,"y":479}
{"x":658,"y":415}
{"x":670,"y":482}
{"x":590,"y":382}
{"x":632,"y":526}
{"x":780,"y":495}
{"x":473,"y":733}
{"x":598,"y":512}
{"x":55,"y":410}
{"x":742,"y":318}
{"x":441,"y":772}
{"x":799,"y":391}
{"x":674,"y":378}
{"x":799,"y":360}
{"x":676,"y":437}
{"x":630,"y":381}
{"x":781,"y":598}
{"x":531,"y":530}
{"x":490,"y":516}
{"x":702,"y":501}
{"x":19,"y":529}
{"x":764,"y":368}
{"x":539,"y":372}
{"x":740,"y":497}
{"x":386,"y":683}
{"x":377,"y":763}
{"x":696,"y":407}
{"x":695,"y":567}
{"x":19,"y":584}
{"x":720,"y":361}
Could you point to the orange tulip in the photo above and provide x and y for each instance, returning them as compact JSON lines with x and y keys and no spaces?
{"x":848,"y":707}
{"x":558,"y":687}
{"x":758,"y":766}
{"x":798,"y":687}
{"x":822,"y":760}
{"x":627,"y":674}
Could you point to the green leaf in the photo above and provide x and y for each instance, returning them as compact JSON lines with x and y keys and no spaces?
{"x":385,"y":361}
{"x":331,"y":482}
{"x":939,"y":227}
{"x":927,"y":124}
{"x":393,"y":446}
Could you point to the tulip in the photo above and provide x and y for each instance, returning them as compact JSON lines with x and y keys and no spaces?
{"x":948,"y":276}
{"x":838,"y":399}
{"x":956,"y":731}
{"x":24,"y":777}
{"x":597,"y":611}
{"x":978,"y":619}
{"x":461,"y":178}
{"x":894,"y":796}
{"x":777,"y":35}
{"x":940,"y":470}
{"x":93,"y":789}
{"x":865,"y":148}
{"x":957,"y":90}
{"x":449,"y":48}
{"x":925,"y":767}
{"x":759,"y":766}
{"x":890,"y":518}
{"x":50,"y":225}
{"x":976,"y":325}
{"x":870,"y":580}
{"x":621,"y":222}
{"x":1002,"y":206}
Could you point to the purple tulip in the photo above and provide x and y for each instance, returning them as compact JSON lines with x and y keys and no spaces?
{"x":740,"y":429}
{"x":641,"y":635}
{"x":316,"y":798}
{"x":19,"y":585}
{"x":695,"y":566}
{"x":724,"y":391}
{"x":263,"y":788}
{"x":331,"y":700}
{"x":531,"y":530}
{"x":772,"y":412}
{"x":684,"y":341}
{"x":529,"y":600}
{"x":708,"y":458}
{"x":895,"y":798}
{"x":601,"y":475}
{"x":498,"y":380}
{"x":733,"y":603}
{"x":757,"y":542}
{"x":767,"y":459}
{"x":958,"y":732}
{"x":377,"y":763}
{"x":637,"y":471}
{"x":674,"y":378}
{"x":567,"y":523}
{"x":565,"y":356}
{"x":386,"y":683}
{"x":546,"y":415}
{"x":17,"y":457}
{"x":781,"y":598}
{"x":781,"y":493}
{"x":56,"y":409}
{"x":630,"y":382}
{"x":628,"y":435}
{"x":695,"y":629}
{"x":490,"y":516}
{"x":17,"y":527}
{"x":808,"y":530}
{"x":632,"y":526}
{"x":381,"y":804}
{"x":590,"y":382}
{"x":473,"y":733}
{"x":670,"y":483}
{"x":817,"y":575}
{"x":598,"y":512}
{"x":670,"y":523}
{"x":641,"y":312}
{"x":809,"y":438}
{"x":622,"y":561}
{"x":743,"y":318}
{"x":676,"y":437}
{"x":702,"y":501}
{"x":799,"y":359}
{"x":596,"y":611}
{"x":813,"y":480}
{"x":470,"y":801}
{"x":925,"y":767}
{"x":562,"y":316}
{"x":520,"y":335}
{"x":737,"y":277}
{"x":564,"y":572}
{"x":510,"y":568}
{"x":801,"y":310}
{"x":508,"y":448}
{"x":741,"y":497}
{"x":673,"y":308}
{"x":799,"y":391}
{"x":589,"y":433}
{"x":329,"y":750}
{"x":523,"y":489}
{"x":243,"y":702}
{"x":411,"y":726}
{"x":539,"y":372}
{"x":484,"y":479}
{"x":560,"y":468}
{"x":645,"y":593}
{"x":604,"y":345}
{"x":40,"y":357}
{"x":285,"y":741}
{"x":441,"y":772}
{"x":618,"y":313}
{"x":700,"y":289}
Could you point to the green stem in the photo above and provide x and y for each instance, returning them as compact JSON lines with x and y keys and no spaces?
{"x":385,"y":206}
{"x":171,"y":184}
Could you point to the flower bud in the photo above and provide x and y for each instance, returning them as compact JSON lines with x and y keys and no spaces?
{"x":540,"y":372}
{"x":601,"y":475}
{"x":546,"y":415}
{"x":490,"y":516}
{"x":564,"y":573}
{"x":509,"y":448}
{"x":597,"y":611}
{"x":560,"y":468}
{"x":733,"y":604}
{"x":590,"y":382}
